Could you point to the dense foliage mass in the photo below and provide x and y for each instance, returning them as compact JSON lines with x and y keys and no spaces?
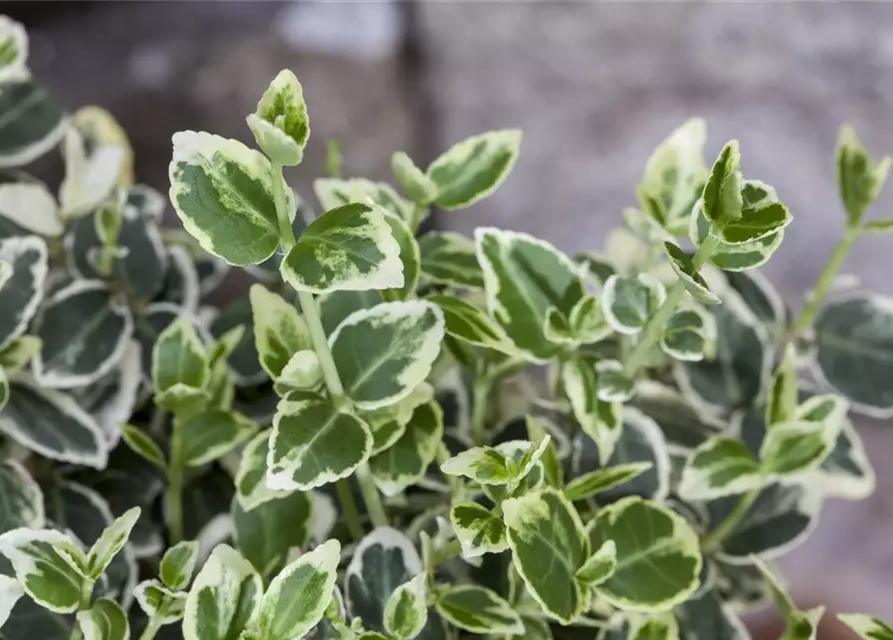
{"x":400,"y":436}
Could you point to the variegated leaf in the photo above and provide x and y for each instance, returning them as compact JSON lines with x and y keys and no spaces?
{"x":22,"y":291}
{"x":449,"y":258}
{"x":313,"y":443}
{"x":406,"y":610}
{"x":478,"y":610}
{"x":29,"y":205}
{"x":210,"y":435}
{"x":224,"y":598}
{"x":178,"y":564}
{"x":160,"y":603}
{"x":405,"y":462}
{"x":31,"y":123}
{"x":349,"y":248}
{"x":629,"y":302}
{"x":721,"y":466}
{"x":280,"y":124}
{"x":384,"y":352}
{"x":250,"y":481}
{"x":474,"y":168}
{"x":478,"y":530}
{"x":600,"y":420}
{"x":223,"y":193}
{"x":105,"y":620}
{"x":335,"y":192}
{"x":419,"y":187}
{"x":266,"y":534}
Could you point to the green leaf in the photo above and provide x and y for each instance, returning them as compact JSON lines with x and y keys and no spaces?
{"x":878,"y":226}
{"x":384,"y":352}
{"x":599,"y":420}
{"x":298,"y":596}
{"x":689,"y":335}
{"x":210,"y":435}
{"x":470,"y":324}
{"x":267,"y":533}
{"x":449,"y":258}
{"x":419,"y":187}
{"x":334,"y":193}
{"x":179,"y":360}
{"x":84,"y":329}
{"x":496,"y":465}
{"x":781,"y":405}
{"x":178,"y":564}
{"x":599,"y":566}
{"x":658,"y":555}
{"x":112,"y":540}
{"x":663,"y":628}
{"x":548,"y":547}
{"x":409,"y":255}
{"x":141,"y":444}
{"x":846,"y":472}
{"x":279,"y":332}
{"x":105,"y":620}
{"x":738,"y":371}
{"x":405,"y":462}
{"x":793,"y":448}
{"x":478,"y":530}
{"x":313,"y":443}
{"x":780,"y":519}
{"x":160,"y":603}
{"x":594,"y":482}
{"x":694,"y":282}
{"x":587,"y":321}
{"x":708,"y":617}
{"x":859,"y":178}
{"x":867,"y":626}
{"x":22,"y":504}
{"x":223,"y":193}
{"x":757,"y":223}
{"x":53,"y":424}
{"x":349,"y":248}
{"x":406,"y":610}
{"x":48,"y":565}
{"x":280,"y":123}
{"x":722,"y":200}
{"x":674,"y":176}
{"x":854,"y":338}
{"x":21,"y":294}
{"x":301,"y":372}
{"x":250,"y":481}
{"x":224,"y":599}
{"x":4,"y":388}
{"x":630,"y":302}
{"x":472,"y":169}
{"x":721,"y":466}
{"x":524,"y":278}
{"x":31,"y":124}
{"x":478,"y":610}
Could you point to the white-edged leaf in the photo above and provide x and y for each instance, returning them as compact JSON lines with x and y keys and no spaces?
{"x":600,"y":566}
{"x":105,"y":620}
{"x":629,"y":302}
{"x":478,"y":610}
{"x":52,"y":424}
{"x":140,"y":443}
{"x":418,"y":186}
{"x":468,"y":323}
{"x":30,"y":123}
{"x":722,"y":200}
{"x":349,"y":248}
{"x":14,"y":44}
{"x":658,"y":555}
{"x":406,"y":610}
{"x":449,"y":258}
{"x":859,"y":178}
{"x":159,"y":602}
{"x":594,"y":482}
{"x":478,"y":530}
{"x":694,"y":282}
{"x":384,"y":352}
{"x":614,"y":386}
{"x":212,"y":434}
{"x":405,"y":462}
{"x":472,"y":169}
{"x":180,"y":367}
{"x":600,"y":420}
{"x":92,"y":169}
{"x":335,"y":192}
{"x":796,"y":447}
{"x":548,"y":546}
{"x":721,"y":466}
{"x":112,"y":540}
{"x":279,"y":331}
{"x":280,"y":124}
{"x":21,"y":293}
{"x":297,"y":598}
{"x":866,"y":626}
{"x":267,"y":534}
{"x":524,"y":278}
{"x":250,"y":481}
{"x":313,"y":443}
{"x":31,"y":206}
{"x":224,"y":598}
{"x":178,"y":564}
{"x":223,"y":193}
{"x":690,"y":335}
{"x":410,"y":255}
{"x":22,"y":504}
{"x":84,"y":330}
{"x":47,"y":565}
{"x":756,"y":223}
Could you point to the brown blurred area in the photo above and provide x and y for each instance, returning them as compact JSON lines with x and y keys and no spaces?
{"x":595,"y":86}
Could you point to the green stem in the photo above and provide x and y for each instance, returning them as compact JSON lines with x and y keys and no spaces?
{"x":727,"y":526}
{"x":370,"y":496}
{"x":482,"y":386}
{"x":657,"y":322}
{"x":823,"y":284}
{"x":84,"y":604}
{"x":175,"y":487}
{"x":151,"y":629}
{"x":349,"y":508}
{"x":321,"y":346}
{"x":416,"y":219}
{"x":286,"y":232}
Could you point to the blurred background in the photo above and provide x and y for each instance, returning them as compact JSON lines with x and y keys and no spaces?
{"x":594,"y":86}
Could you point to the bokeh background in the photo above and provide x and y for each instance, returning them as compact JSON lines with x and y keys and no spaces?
{"x":594,"y":86}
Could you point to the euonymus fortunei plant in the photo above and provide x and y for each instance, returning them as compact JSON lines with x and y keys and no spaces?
{"x":400,"y":436}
